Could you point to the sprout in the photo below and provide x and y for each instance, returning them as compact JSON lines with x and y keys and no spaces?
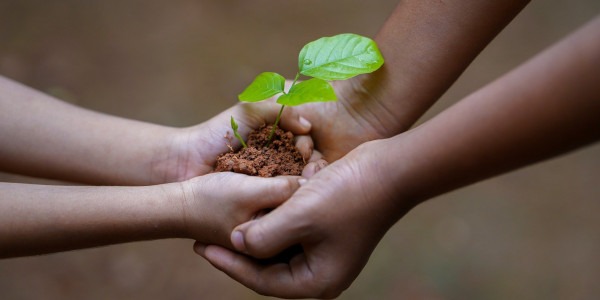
{"x":338,"y":57}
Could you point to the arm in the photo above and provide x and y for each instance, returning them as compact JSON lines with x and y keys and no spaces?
{"x":546,"y":107}
{"x":49,"y":138}
{"x":426,"y":45}
{"x":45,"y":137}
{"x":38,"y":219}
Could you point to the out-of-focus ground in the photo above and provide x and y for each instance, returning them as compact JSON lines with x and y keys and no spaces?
{"x":531,"y":234}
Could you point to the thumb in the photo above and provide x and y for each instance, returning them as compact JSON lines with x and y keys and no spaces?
{"x":269,"y":235}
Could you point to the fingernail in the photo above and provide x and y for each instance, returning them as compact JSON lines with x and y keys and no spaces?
{"x":237,"y":239}
{"x":305,"y":123}
{"x":322,"y":164}
{"x":302,"y":181}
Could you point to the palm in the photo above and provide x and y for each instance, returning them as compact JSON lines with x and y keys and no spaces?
{"x":193,"y":151}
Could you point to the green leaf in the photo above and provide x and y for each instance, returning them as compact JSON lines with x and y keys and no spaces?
{"x":312,"y":90}
{"x":339,"y":57}
{"x":265,"y":85}
{"x":234,"y":125}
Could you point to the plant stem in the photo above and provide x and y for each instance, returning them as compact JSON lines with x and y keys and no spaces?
{"x":280,"y":111}
{"x":295,"y":79}
{"x":237,"y":135}
{"x":275,"y":125}
{"x":234,"y":126}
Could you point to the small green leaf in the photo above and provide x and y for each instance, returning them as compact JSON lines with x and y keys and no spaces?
{"x":339,"y":57}
{"x":265,"y":85}
{"x":234,"y":125}
{"x":312,"y":90}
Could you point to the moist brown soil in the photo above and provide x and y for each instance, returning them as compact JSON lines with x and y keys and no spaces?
{"x":280,"y":157}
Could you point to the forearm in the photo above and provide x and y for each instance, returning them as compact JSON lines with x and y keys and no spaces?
{"x":38,"y":219}
{"x":427,"y":45}
{"x":46,"y":137}
{"x":546,"y":107}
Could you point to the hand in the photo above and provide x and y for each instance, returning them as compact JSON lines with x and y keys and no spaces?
{"x":338,"y":217}
{"x":335,"y":128}
{"x":357,"y":117}
{"x":213,"y":204}
{"x":192,"y":151}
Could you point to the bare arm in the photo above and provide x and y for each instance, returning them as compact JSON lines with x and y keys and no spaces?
{"x":49,"y":138}
{"x":546,"y":107}
{"x":45,"y":137}
{"x":38,"y":219}
{"x":426,"y":45}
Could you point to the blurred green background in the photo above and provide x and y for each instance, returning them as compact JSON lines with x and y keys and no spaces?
{"x":531,"y":234}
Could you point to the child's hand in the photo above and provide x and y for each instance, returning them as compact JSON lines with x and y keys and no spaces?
{"x":192,"y":151}
{"x":213,"y":204}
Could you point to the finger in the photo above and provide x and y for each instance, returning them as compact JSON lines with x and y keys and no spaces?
{"x":315,"y":156}
{"x":268,"y":192}
{"x":313,"y":168}
{"x":305,"y":145}
{"x":292,"y":121}
{"x":279,"y":280}
{"x":270,"y":235}
{"x":199,"y":248}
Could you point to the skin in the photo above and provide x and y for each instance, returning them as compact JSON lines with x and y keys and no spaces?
{"x":546,"y":107}
{"x":426,"y":46}
{"x":53,"y":139}
{"x":126,"y":152}
{"x":38,"y":219}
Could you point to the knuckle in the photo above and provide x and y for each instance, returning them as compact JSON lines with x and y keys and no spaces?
{"x":255,"y":236}
{"x":286,"y":187}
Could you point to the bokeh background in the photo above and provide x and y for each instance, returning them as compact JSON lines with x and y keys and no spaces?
{"x":530,"y":234}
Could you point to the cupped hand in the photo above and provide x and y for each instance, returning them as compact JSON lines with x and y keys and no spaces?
{"x":338,"y":217}
{"x":192,"y":151}
{"x":212,"y":205}
{"x":357,"y":117}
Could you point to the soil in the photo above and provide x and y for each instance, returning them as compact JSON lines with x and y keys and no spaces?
{"x":280,"y":157}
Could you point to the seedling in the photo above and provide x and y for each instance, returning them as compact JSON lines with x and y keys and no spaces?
{"x":338,"y":57}
{"x":234,"y":126}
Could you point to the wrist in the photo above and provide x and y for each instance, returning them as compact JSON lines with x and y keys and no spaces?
{"x":174,"y":207}
{"x":370,"y":100}
{"x":413,"y":167}
{"x":123,"y":152}
{"x":392,"y":186}
{"x":165,"y":163}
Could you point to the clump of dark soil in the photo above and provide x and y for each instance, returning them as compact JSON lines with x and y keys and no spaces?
{"x":280,"y":157}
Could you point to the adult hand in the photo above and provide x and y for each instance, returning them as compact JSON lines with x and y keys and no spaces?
{"x":357,"y":117}
{"x":421,"y":63}
{"x":338,"y":217}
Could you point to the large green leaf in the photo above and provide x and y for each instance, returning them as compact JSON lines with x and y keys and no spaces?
{"x":312,"y":90}
{"x":265,"y":85}
{"x":339,"y":57}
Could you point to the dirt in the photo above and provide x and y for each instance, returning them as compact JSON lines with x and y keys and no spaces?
{"x":280,"y":157}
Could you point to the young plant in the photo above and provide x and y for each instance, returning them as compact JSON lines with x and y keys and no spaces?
{"x":234,"y":126}
{"x":338,"y":57}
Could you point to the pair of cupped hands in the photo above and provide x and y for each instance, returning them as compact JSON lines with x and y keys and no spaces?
{"x":336,"y":212}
